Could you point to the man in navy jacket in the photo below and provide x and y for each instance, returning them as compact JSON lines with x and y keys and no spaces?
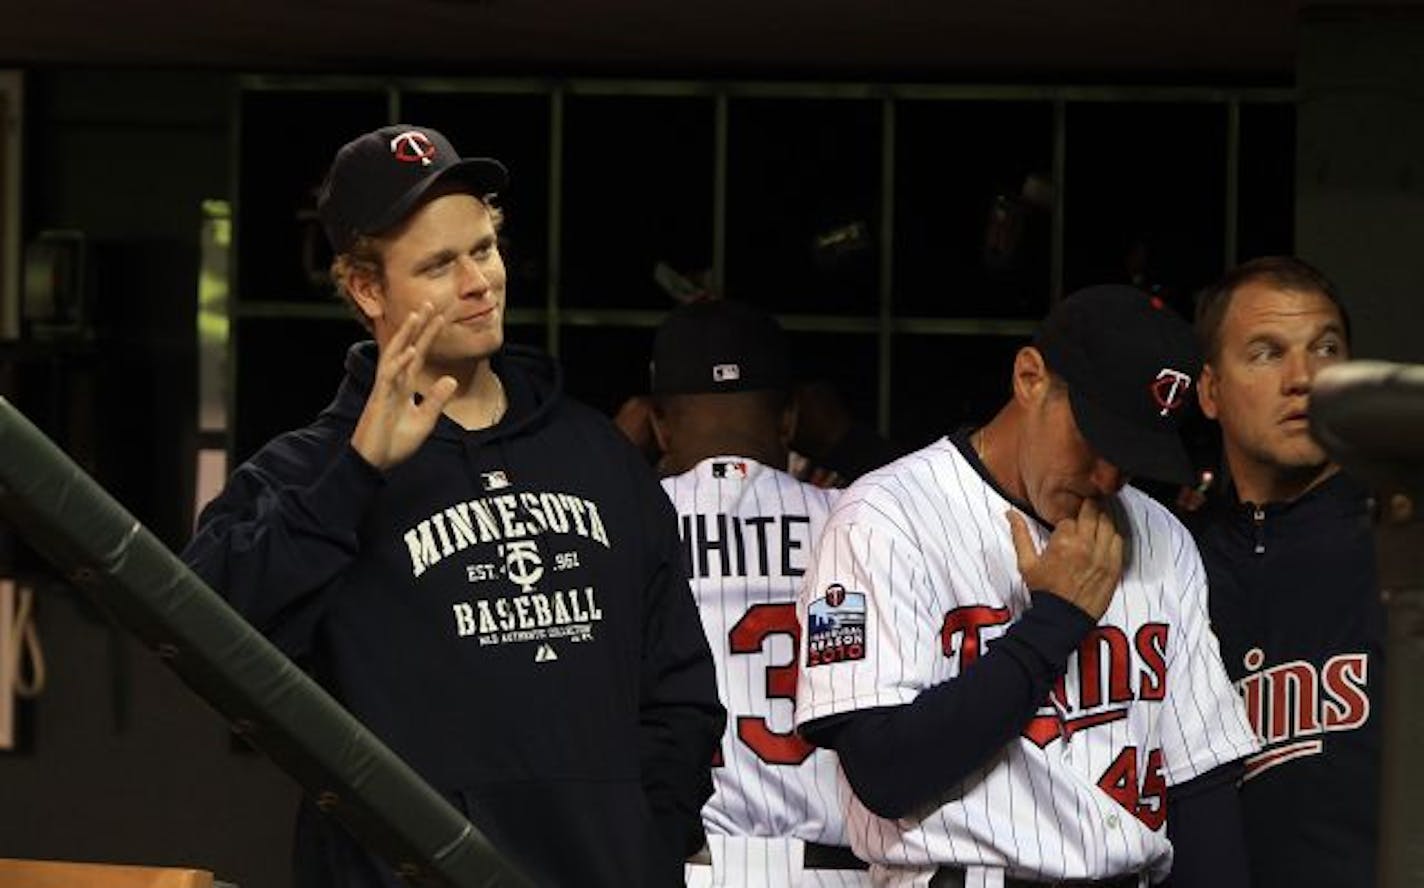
{"x":1294,"y":596}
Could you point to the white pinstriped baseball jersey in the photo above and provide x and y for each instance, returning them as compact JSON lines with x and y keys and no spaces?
{"x":747,"y":532}
{"x":919,"y":554}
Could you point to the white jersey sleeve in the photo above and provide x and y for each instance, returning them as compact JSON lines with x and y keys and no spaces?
{"x":864,"y":612}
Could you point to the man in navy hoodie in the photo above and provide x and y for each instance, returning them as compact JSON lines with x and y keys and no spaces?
{"x":483,"y":571}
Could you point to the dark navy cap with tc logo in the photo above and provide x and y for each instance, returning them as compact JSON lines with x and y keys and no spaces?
{"x":719,"y":346}
{"x":1129,"y":362}
{"x":377,"y":179}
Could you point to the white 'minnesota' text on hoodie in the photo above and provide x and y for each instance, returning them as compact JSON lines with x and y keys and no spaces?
{"x":508,"y":516}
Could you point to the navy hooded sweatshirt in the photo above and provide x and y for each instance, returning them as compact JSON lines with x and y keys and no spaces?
{"x":506,"y":610}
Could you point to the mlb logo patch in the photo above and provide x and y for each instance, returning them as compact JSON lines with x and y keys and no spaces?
{"x":726,"y":372}
{"x":835,"y":627}
{"x":496,"y":480}
{"x":734,"y":470}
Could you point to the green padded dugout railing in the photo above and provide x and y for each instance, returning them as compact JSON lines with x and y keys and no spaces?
{"x":98,"y":546}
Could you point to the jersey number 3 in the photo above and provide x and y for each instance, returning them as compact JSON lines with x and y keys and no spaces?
{"x":747,"y":637}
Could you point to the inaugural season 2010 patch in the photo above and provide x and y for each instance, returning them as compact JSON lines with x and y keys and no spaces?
{"x":835,"y":627}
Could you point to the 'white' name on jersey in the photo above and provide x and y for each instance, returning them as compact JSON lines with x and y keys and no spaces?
{"x":747,"y":532}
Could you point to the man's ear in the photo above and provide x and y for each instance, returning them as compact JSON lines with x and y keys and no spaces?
{"x":368,"y":294}
{"x":789,"y":415}
{"x":660,"y":429}
{"x":1207,"y":392}
{"x":1031,"y":377}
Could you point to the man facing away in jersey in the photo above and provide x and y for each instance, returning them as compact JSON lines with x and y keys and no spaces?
{"x":723,"y":417}
{"x":1008,"y":645}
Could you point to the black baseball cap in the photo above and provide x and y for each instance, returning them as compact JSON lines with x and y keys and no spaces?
{"x":1129,"y":362}
{"x":719,"y":346}
{"x":377,"y":179}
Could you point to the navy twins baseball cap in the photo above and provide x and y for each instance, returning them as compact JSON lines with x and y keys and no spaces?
{"x":1129,"y":362}
{"x":719,"y":346}
{"x":377,"y":179}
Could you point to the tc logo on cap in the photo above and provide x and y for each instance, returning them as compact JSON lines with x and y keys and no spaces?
{"x":413,"y":146}
{"x":1169,"y":389}
{"x":726,"y":372}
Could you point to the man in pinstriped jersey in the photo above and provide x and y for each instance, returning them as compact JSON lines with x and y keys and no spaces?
{"x":723,"y":416}
{"x":1008,"y":646}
